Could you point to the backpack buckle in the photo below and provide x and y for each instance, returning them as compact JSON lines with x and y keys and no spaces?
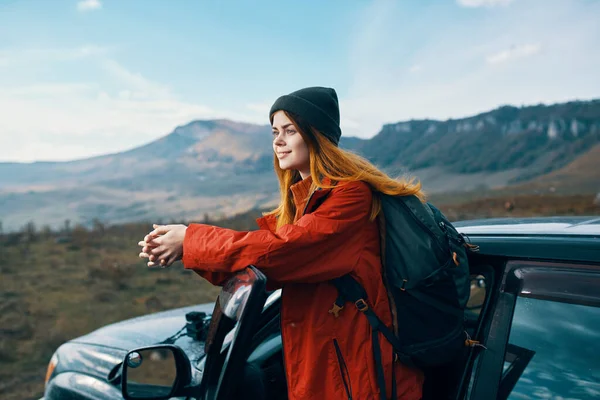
{"x":403,"y":287}
{"x":335,"y":310}
{"x":361,"y":305}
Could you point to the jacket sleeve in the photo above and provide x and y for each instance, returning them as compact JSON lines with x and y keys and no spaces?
{"x":216,"y":278}
{"x":219,"y":278}
{"x":319,"y":246}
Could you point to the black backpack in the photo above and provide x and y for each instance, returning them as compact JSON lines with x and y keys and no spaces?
{"x":426,"y":274}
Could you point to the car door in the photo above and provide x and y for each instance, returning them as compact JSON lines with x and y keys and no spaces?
{"x":545,"y":334}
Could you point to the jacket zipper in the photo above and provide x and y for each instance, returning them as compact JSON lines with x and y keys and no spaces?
{"x":287,"y":378}
{"x":343,"y":369}
{"x":308,"y":202}
{"x":345,"y":375}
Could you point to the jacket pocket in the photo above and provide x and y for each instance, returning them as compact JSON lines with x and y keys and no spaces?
{"x":343,"y":369}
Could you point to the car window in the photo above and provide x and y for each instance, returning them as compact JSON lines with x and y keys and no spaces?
{"x":553,"y":351}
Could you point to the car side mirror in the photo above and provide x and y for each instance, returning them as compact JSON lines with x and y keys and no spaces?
{"x":155,"y":372}
{"x":479,"y":288}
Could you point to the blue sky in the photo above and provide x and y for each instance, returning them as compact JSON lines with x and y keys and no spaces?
{"x":82,"y":78}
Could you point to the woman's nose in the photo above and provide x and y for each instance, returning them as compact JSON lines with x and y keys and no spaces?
{"x":278,"y":140}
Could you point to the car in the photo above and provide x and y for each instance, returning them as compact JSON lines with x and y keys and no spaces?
{"x":534,"y":309}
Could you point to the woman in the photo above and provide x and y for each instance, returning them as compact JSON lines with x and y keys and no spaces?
{"x":323,"y":228}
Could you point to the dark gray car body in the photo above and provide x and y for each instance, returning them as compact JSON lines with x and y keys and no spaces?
{"x":85,"y":363}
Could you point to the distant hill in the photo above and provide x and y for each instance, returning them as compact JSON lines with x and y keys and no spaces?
{"x":217,"y":167}
{"x":580,"y":175}
{"x":222,"y":167}
{"x":530,"y":141}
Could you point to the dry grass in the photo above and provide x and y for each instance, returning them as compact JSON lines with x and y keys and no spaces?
{"x":522,"y":206}
{"x":55,"y":287}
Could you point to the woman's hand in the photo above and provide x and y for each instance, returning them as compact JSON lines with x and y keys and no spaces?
{"x":163,"y":244}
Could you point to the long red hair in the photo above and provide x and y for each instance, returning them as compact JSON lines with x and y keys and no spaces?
{"x":329,"y":161}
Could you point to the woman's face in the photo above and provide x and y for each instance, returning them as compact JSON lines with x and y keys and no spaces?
{"x":289,"y":146}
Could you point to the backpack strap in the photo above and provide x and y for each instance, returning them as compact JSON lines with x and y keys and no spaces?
{"x":349,"y":290}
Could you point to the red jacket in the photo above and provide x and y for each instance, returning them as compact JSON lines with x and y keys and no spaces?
{"x":326,"y":241}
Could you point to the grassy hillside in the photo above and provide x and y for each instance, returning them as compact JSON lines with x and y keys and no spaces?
{"x":59,"y":285}
{"x":579,"y":176}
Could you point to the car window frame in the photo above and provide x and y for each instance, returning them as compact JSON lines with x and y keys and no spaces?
{"x":521,"y":279}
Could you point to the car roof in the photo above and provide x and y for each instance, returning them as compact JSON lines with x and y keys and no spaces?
{"x":584,"y":225}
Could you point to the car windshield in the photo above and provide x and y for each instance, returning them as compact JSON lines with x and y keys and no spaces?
{"x":271,"y":300}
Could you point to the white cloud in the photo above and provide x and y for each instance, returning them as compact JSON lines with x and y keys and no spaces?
{"x":89,"y":5}
{"x":348,"y":124}
{"x":515,"y":52}
{"x":70,"y":120}
{"x":461,"y":78}
{"x":460,"y":72}
{"x":261,"y":108}
{"x":27,"y":152}
{"x":79,"y":121}
{"x":483,"y":3}
{"x":51,"y":89}
{"x":139,"y":86}
{"x":16,"y":57}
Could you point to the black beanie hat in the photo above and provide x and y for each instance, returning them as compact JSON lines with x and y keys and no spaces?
{"x":318,"y":106}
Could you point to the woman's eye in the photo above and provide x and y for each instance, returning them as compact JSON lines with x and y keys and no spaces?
{"x":290,"y":131}
{"x":275,"y":133}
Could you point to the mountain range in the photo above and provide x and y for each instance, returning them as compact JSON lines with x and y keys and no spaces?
{"x":222,"y":167}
